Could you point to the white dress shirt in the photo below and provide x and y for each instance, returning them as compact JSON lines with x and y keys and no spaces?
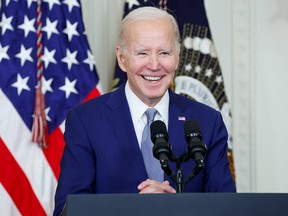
{"x":138,"y":108}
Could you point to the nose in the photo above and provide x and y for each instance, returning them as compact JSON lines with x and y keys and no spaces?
{"x":154,"y":62}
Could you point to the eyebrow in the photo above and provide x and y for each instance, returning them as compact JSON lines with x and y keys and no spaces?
{"x":169,"y":50}
{"x":137,"y":50}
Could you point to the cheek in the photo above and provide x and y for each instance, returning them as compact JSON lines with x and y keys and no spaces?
{"x":135,"y":66}
{"x":170,"y":65}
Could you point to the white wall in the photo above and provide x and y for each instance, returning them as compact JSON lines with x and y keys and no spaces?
{"x":271,"y":90}
{"x":257,"y":83}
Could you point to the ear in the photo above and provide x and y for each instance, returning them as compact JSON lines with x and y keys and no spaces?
{"x":120,"y":58}
{"x":177,"y":62}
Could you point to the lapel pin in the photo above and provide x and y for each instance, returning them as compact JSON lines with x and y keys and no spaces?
{"x":181,"y":118}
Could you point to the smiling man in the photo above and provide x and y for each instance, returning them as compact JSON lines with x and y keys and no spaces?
{"x":105,"y":137}
{"x":148,"y":51}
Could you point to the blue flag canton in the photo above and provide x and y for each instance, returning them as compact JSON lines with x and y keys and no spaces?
{"x":69,"y":72}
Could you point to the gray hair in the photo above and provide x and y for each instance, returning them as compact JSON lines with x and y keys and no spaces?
{"x":146,"y":13}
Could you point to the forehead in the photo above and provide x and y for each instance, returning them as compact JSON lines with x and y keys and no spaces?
{"x":150,"y":24}
{"x":150,"y":31}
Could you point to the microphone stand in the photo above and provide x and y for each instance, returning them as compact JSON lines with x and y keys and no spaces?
{"x":178,"y":177}
{"x":163,"y":151}
{"x":180,"y":180}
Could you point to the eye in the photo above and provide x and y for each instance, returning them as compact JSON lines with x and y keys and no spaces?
{"x":142,"y":53}
{"x":165,"y":53}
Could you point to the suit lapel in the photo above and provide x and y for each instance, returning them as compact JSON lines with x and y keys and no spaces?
{"x":177,"y":117}
{"x":121,"y":124}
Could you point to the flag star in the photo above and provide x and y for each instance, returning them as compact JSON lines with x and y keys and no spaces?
{"x":25,"y":54}
{"x":90,"y":60}
{"x":21,"y":84}
{"x":197,"y":69}
{"x":209,"y":72}
{"x":48,"y":57}
{"x":132,"y":2}
{"x":188,"y":67}
{"x":46,"y":85}
{"x":50,"y":28}
{"x":70,"y":58}
{"x":29,"y":2}
{"x":3,"y":52}
{"x":46,"y":114}
{"x":219,"y":79}
{"x":69,"y":87}
{"x":47,"y":110}
{"x":28,"y":26}
{"x":71,"y":4}
{"x":70,"y":29}
{"x":5,"y":23}
{"x":52,"y":2}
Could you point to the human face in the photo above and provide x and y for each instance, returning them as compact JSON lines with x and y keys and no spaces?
{"x":150,"y":59}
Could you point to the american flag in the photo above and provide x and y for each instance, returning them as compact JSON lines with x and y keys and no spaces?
{"x":45,"y":35}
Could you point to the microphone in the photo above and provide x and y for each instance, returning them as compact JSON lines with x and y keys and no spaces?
{"x":196,"y":149}
{"x":161,"y":149}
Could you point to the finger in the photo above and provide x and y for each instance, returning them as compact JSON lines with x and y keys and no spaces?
{"x":146,"y":183}
{"x":166,"y":182}
{"x":157,"y":187}
{"x":167,"y":187}
{"x":169,"y":190}
{"x":143,"y":184}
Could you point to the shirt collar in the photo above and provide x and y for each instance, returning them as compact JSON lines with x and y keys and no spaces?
{"x":137,"y":107}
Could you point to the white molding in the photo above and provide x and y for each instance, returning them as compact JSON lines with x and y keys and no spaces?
{"x":243,"y":30}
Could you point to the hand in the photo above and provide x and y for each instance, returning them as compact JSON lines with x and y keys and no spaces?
{"x":153,"y":186}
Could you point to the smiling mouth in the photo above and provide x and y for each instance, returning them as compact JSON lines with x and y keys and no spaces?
{"x":152,"y":78}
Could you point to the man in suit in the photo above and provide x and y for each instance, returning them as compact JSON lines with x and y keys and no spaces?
{"x":103,"y":136}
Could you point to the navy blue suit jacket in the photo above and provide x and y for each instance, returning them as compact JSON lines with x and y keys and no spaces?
{"x":102,"y":154}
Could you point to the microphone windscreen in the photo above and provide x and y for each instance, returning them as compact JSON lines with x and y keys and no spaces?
{"x":191,"y":126}
{"x":158,"y":128}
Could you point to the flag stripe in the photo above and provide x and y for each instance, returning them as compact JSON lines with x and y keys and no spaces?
{"x":94,"y":93}
{"x":53,"y":152}
{"x":7,"y":205}
{"x":29,"y":156}
{"x":11,"y":174}
{"x":56,"y":141}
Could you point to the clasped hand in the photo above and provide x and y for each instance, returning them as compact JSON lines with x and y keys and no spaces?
{"x":153,"y":186}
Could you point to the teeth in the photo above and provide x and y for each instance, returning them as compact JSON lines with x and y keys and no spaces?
{"x":151,"y":78}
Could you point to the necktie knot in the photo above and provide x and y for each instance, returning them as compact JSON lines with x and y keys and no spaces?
{"x":150,"y":113}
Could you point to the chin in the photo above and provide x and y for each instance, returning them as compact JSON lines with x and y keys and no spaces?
{"x":155,"y":97}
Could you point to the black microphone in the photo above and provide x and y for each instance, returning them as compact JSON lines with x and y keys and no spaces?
{"x":161,"y":149}
{"x":196,"y":149}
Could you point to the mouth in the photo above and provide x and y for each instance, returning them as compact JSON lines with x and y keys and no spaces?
{"x":152,"y":78}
